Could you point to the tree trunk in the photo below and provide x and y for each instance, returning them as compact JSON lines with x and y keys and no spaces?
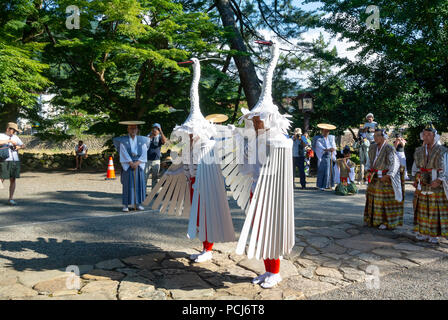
{"x":246,"y":68}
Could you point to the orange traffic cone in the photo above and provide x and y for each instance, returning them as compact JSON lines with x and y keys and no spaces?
{"x":110,"y":170}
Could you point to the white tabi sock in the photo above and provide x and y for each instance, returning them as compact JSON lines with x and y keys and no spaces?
{"x":272,"y":280}
{"x":204,"y":256}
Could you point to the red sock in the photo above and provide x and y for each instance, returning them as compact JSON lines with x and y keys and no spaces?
{"x":275,"y":265}
{"x":208,"y":246}
{"x":267,"y":265}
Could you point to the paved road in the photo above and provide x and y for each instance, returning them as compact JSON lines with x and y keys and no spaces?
{"x":66,"y":218}
{"x":428,"y":282}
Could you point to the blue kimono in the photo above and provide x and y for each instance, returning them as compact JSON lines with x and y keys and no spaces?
{"x":325,"y":174}
{"x":133,"y":181}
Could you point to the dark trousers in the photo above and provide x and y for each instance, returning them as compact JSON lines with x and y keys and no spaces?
{"x":299,"y":162}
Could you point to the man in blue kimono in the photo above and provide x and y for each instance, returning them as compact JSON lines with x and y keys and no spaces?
{"x":133,"y":157}
{"x":326,"y":153}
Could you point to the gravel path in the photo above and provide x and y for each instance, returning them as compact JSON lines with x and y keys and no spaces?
{"x":67,"y":218}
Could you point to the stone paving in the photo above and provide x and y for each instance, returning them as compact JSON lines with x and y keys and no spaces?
{"x":328,"y":255}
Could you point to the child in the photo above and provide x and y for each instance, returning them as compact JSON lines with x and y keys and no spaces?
{"x":345,"y":174}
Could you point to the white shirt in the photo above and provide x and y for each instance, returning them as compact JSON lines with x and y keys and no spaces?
{"x":83,"y":150}
{"x":13,"y":155}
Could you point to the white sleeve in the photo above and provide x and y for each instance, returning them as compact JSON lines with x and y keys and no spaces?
{"x":333,"y":145}
{"x":402,"y":158}
{"x":337,"y":175}
{"x":18,"y":141}
{"x":443,"y":173}
{"x":351,"y":175}
{"x":124,"y":157}
{"x":319,"y":149}
{"x":394,"y":166}
{"x":144,"y":157}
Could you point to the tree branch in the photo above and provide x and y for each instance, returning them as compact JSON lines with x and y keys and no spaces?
{"x":101,"y":79}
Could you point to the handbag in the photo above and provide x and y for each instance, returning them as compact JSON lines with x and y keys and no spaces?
{"x":4,"y":152}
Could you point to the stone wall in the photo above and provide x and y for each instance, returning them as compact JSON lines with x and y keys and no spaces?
{"x":93,"y":144}
{"x":63,"y":161}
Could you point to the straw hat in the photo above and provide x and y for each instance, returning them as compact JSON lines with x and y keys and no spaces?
{"x":217,"y":118}
{"x":12,"y":125}
{"x":297,"y":131}
{"x":326,"y":126}
{"x":131,"y":123}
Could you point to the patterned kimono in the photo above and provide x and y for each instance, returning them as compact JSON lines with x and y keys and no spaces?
{"x":344,"y":176}
{"x":384,"y":200}
{"x":431,"y":204}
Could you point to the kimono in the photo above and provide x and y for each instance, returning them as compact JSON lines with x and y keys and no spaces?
{"x":344,"y":170}
{"x":384,"y":200}
{"x":325,"y":174}
{"x":431,"y":204}
{"x":133,"y":181}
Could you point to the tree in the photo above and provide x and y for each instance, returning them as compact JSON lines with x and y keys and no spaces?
{"x":21,"y":72}
{"x":122,"y":62}
{"x":402,"y":71}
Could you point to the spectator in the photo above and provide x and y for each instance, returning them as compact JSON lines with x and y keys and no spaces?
{"x":309,"y":153}
{"x":80,"y":154}
{"x":10,"y":166}
{"x":156,"y":140}
{"x":298,"y":152}
{"x":370,"y":126}
{"x":362,"y":144}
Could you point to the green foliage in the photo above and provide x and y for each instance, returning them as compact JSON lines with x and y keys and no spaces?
{"x":21,"y":71}
{"x":401,"y":75}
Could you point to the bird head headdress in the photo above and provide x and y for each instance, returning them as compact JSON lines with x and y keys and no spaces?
{"x":195,"y":124}
{"x":265,"y":107}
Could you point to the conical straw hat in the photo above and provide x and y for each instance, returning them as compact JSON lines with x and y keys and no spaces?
{"x":326,"y":126}
{"x":217,"y":118}
{"x":130,"y":123}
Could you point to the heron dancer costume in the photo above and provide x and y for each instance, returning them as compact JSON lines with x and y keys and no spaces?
{"x":344,"y":175}
{"x":384,"y":200}
{"x":431,"y":204}
{"x":263,"y":186}
{"x":132,"y":180}
{"x":194,"y":184}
